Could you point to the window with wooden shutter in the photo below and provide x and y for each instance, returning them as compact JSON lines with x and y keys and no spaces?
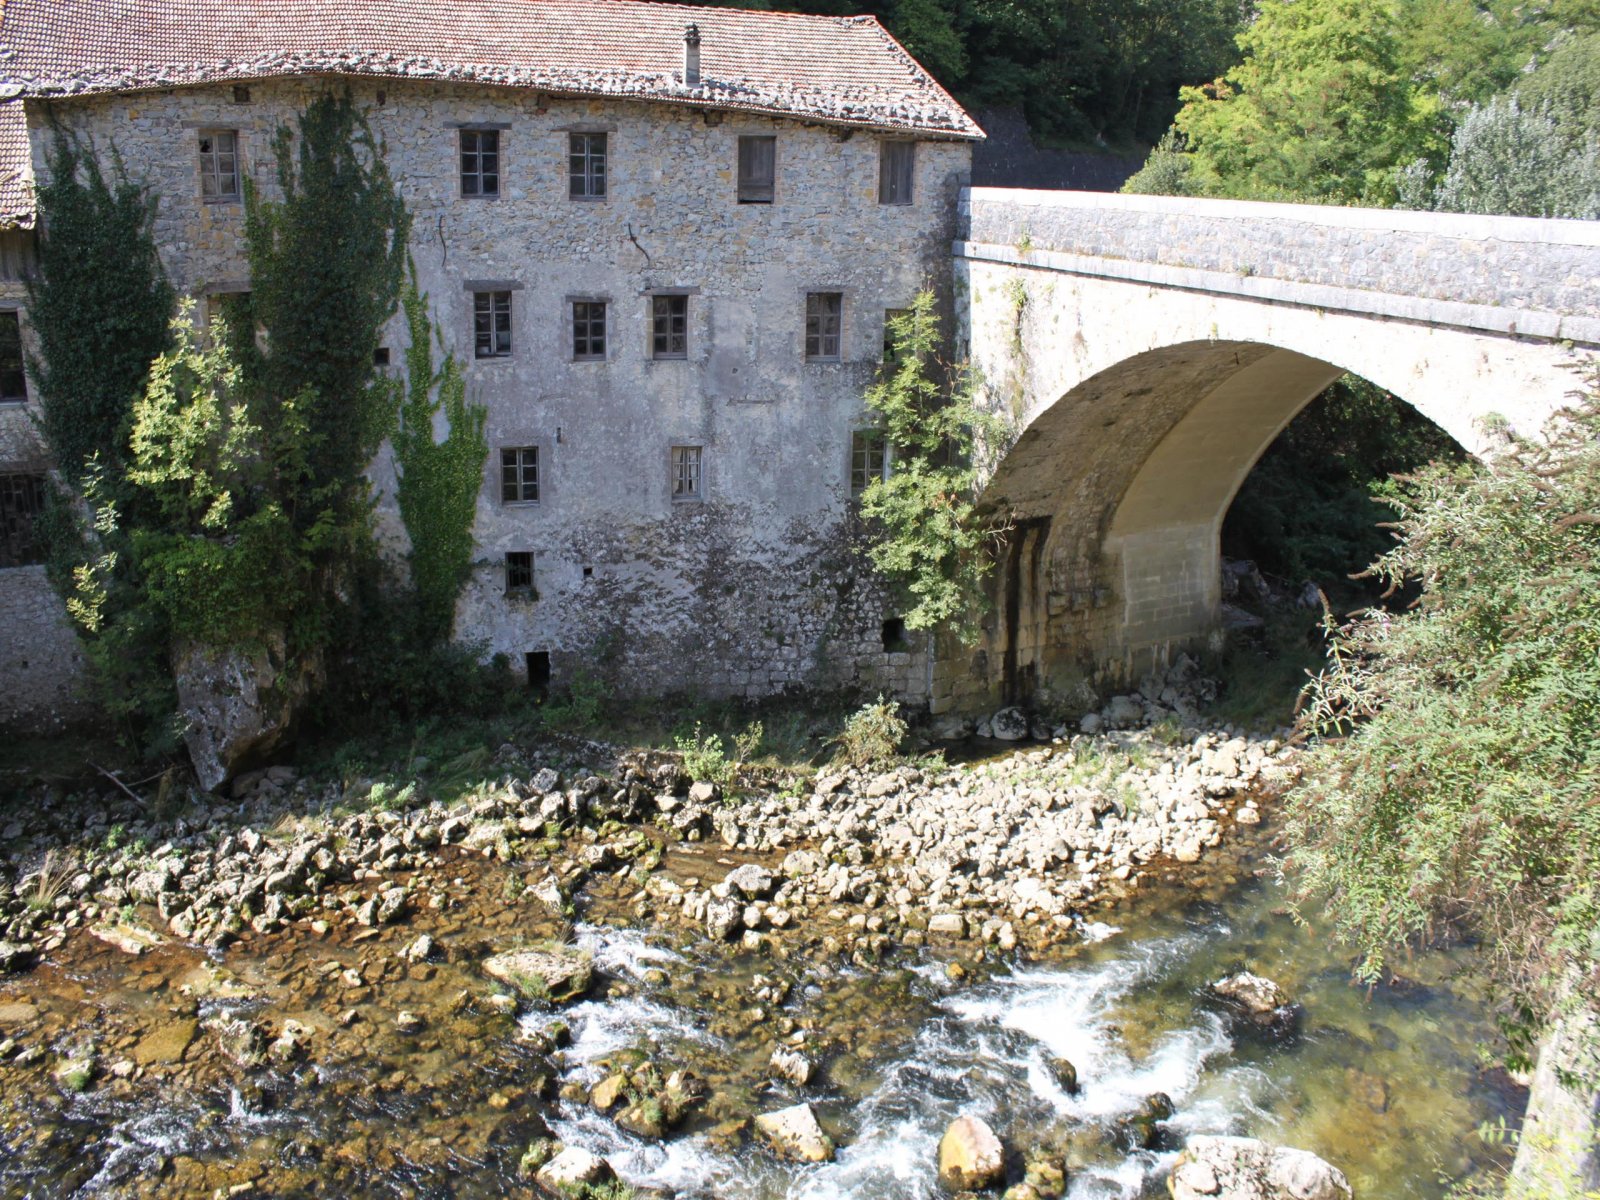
{"x":896,"y":161}
{"x":824,"y":325}
{"x":758,"y":167}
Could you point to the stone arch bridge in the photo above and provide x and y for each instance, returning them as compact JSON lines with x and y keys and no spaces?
{"x":1147,"y":350}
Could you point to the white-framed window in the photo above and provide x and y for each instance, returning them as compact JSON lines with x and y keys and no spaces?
{"x":480,"y":163}
{"x":869,"y":458}
{"x":491,"y":324}
{"x":588,"y":330}
{"x":219,"y":165}
{"x":824,"y":326}
{"x":519,"y":475}
{"x":687,"y":481}
{"x":669,"y":326}
{"x":587,"y":166}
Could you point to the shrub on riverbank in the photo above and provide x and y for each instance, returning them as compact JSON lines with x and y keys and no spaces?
{"x":1456,"y":783}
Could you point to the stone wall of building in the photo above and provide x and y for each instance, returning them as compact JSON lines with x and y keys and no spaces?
{"x":41,"y":660}
{"x":751,"y":588}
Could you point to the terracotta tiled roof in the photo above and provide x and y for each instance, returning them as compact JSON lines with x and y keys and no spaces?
{"x":16,"y":168}
{"x":845,"y":70}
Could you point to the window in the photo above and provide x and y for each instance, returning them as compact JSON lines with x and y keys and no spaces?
{"x":669,"y":327}
{"x":588,"y":330}
{"x":824,"y":319}
{"x":380,"y":356}
{"x":758,"y":161}
{"x":537,"y":663}
{"x":491,"y":324}
{"x":686,"y":472}
{"x":480,"y":162}
{"x":519,"y":475}
{"x":895,"y":160}
{"x":890,"y":316}
{"x":519,"y":573}
{"x":586,"y":159}
{"x":13,"y":380}
{"x":21,"y":501}
{"x":869,"y":459}
{"x":894,"y":635}
{"x":219,"y":164}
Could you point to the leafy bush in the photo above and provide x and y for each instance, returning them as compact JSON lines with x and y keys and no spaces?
{"x":704,"y":757}
{"x":581,"y":707}
{"x":873,"y":734}
{"x":1457,"y":778}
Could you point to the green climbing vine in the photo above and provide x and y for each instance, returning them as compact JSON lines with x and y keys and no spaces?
{"x":931,"y":535}
{"x":439,"y":481}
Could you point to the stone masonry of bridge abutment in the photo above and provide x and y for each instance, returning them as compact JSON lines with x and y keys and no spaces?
{"x":1144,"y":352}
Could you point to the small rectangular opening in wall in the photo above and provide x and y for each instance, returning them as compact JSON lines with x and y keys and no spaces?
{"x":894,"y":635}
{"x":380,"y":356}
{"x":588,"y":572}
{"x":538,"y":664}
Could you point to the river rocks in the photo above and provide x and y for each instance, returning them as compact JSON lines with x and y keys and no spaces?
{"x":167,"y":1044}
{"x":752,"y":881}
{"x":792,"y":1066}
{"x":953,"y":924}
{"x":1009,"y":725}
{"x":240,"y":1041}
{"x":724,"y":918}
{"x":552,"y":973}
{"x":126,"y":938}
{"x":408,"y":1022}
{"x":1065,"y":1075}
{"x":971,"y":1157}
{"x":604,"y":1095}
{"x":1237,"y":1168}
{"x":572,"y":1169}
{"x":236,"y":705}
{"x":14,"y":956}
{"x":1259,"y":1001}
{"x":794,"y":1133}
{"x":1122,"y":712}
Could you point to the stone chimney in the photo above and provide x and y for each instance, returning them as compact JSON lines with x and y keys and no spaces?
{"x":691,"y":56}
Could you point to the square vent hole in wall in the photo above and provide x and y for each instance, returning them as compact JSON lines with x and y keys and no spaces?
{"x":538,"y":663}
{"x":894,"y":635}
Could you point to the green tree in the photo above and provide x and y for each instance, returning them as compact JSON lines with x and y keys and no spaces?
{"x":1321,"y":108}
{"x":930,"y":537}
{"x":439,"y":481}
{"x":1459,"y":761}
{"x":99,"y":305}
{"x":1504,"y":159}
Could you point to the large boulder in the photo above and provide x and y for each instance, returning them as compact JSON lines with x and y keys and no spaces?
{"x":794,"y":1133}
{"x":572,"y":1171}
{"x":549,"y":972}
{"x":970,"y":1156}
{"x":237,"y":706}
{"x":1009,"y":725}
{"x":1259,"y":1003}
{"x":1237,"y":1168}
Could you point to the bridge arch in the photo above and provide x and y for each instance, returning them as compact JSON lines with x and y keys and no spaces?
{"x":1141,"y":389}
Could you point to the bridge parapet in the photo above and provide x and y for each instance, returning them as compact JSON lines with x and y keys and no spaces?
{"x":1507,"y":275}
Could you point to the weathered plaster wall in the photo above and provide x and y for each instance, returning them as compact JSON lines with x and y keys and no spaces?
{"x":746,"y":591}
{"x":1141,"y":392}
{"x":41,"y":660}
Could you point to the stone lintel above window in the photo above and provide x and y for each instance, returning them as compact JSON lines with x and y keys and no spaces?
{"x":479,"y":126}
{"x":588,"y":127}
{"x":670,"y":291}
{"x":491,"y":285}
{"x":224,"y":287}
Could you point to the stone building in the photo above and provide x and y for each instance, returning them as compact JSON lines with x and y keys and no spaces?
{"x":662,"y":239}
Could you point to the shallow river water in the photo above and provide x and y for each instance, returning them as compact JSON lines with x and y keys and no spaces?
{"x":1388,"y":1085}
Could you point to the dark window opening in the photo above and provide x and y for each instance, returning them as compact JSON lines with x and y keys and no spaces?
{"x":586,"y":164}
{"x":894,"y":634}
{"x":519,"y":573}
{"x":219,"y":164}
{"x":588,"y":572}
{"x":380,"y":356}
{"x":22,"y":498}
{"x":895,"y":163}
{"x":13,"y":379}
{"x":480,"y":162}
{"x":824,"y":324}
{"x":491,"y":324}
{"x":891,"y":356}
{"x":519,"y":475}
{"x":669,"y":327}
{"x":758,"y":162}
{"x":537,"y":663}
{"x":588,"y":330}
{"x":241,"y":94}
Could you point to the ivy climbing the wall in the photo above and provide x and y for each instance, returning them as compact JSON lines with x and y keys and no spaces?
{"x":439,"y":481}
{"x":930,"y":535}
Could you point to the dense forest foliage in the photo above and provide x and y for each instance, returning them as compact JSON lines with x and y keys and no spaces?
{"x":1085,"y":72}
{"x":1458,"y":105}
